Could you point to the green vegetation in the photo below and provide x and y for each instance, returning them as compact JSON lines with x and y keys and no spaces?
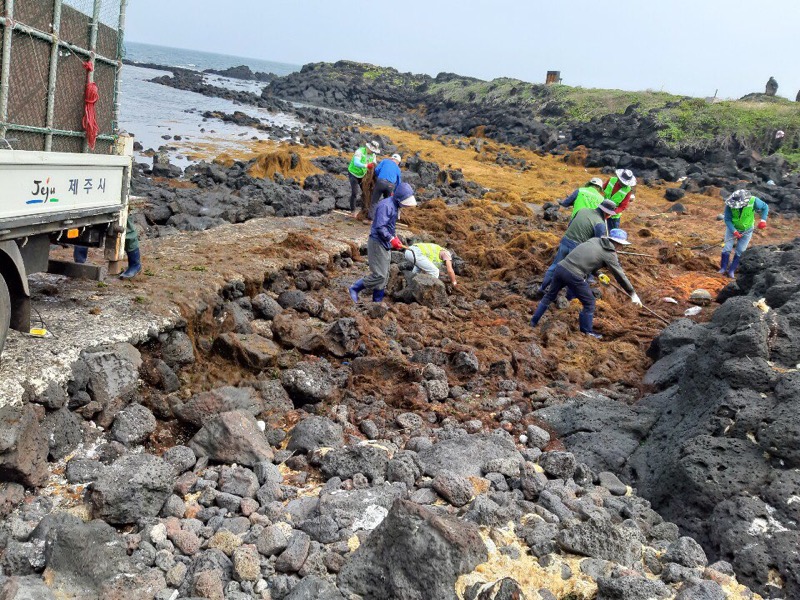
{"x":585,"y":104}
{"x":694,"y":122}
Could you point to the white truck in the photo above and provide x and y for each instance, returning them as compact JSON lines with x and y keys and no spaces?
{"x":54,"y":187}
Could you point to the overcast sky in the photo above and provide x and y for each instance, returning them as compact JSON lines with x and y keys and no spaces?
{"x":682,"y":46}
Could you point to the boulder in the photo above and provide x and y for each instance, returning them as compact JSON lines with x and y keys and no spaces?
{"x":232,"y":437}
{"x":113,"y":378}
{"x":600,"y":538}
{"x":133,"y":424}
{"x":413,"y":554}
{"x":312,"y":587}
{"x":428,"y":291}
{"x":64,"y":432}
{"x":772,"y":87}
{"x":23,"y":446}
{"x":631,"y":587}
{"x":83,"y":559}
{"x":203,"y":406}
{"x":250,"y":350}
{"x":673,"y":194}
{"x":132,"y":488}
{"x":266,"y":307}
{"x":309,"y":382}
{"x":315,"y":432}
{"x":177,"y":350}
{"x":467,"y":454}
{"x":367,"y":459}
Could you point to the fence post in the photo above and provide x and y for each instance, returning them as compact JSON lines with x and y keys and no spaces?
{"x":51,"y":83}
{"x":5,"y":68}
{"x":120,"y":51}
{"x":93,"y":48}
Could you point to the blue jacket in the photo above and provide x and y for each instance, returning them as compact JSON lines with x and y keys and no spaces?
{"x":760,"y":207}
{"x":389,"y":170}
{"x":383,"y":225}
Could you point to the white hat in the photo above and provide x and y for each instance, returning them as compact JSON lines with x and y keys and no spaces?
{"x":738,"y":199}
{"x":596,"y":181}
{"x":626,"y":177}
{"x":397,"y":157}
{"x":374,"y":147}
{"x":779,"y":134}
{"x":410,"y":201}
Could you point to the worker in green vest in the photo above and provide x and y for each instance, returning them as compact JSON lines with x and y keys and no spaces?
{"x":740,"y":218}
{"x":589,"y":196}
{"x":619,"y":189}
{"x":430,"y":258}
{"x":363,"y":159}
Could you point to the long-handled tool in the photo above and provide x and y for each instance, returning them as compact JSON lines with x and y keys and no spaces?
{"x":652,"y":312}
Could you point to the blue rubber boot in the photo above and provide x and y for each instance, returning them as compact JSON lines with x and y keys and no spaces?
{"x":734,"y":265}
{"x":355,"y":289}
{"x":377,"y":295}
{"x":134,"y":265}
{"x":723,"y":262}
{"x":586,"y":321}
{"x":80,"y":254}
{"x":540,"y":310}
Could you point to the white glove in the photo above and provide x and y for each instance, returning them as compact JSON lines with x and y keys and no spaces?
{"x":636,"y":300}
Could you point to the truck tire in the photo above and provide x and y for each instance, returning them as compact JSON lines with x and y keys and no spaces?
{"x":5,"y":312}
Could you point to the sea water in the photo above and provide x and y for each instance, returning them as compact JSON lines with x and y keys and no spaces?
{"x":149,"y":110}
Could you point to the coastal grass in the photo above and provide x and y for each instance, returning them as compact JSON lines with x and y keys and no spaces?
{"x":695,"y":122}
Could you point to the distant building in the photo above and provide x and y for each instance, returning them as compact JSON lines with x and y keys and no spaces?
{"x":553,"y":77}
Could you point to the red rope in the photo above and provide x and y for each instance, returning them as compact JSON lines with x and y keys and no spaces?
{"x":89,"y":114}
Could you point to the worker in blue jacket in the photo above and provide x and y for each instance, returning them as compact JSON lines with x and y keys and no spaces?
{"x":382,"y":240}
{"x":387,"y":178}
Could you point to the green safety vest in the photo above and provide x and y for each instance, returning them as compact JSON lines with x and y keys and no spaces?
{"x":588,"y":197}
{"x":621,"y":193}
{"x":744,"y":218}
{"x":364,"y":158}
{"x":432,"y":252}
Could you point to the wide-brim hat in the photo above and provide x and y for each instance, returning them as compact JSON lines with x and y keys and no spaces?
{"x":738,"y":199}
{"x":374,"y":147}
{"x":608,"y":207}
{"x":410,"y":201}
{"x":619,"y":236}
{"x":626,"y":177}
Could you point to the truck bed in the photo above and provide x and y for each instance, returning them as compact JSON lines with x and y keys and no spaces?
{"x":49,"y":191}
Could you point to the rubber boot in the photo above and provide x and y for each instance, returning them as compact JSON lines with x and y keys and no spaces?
{"x":734,"y":265}
{"x":377,"y":295}
{"x":723,"y":262}
{"x":355,"y":289}
{"x":80,"y":254}
{"x":540,"y":310}
{"x":134,"y":265}
{"x":586,"y":321}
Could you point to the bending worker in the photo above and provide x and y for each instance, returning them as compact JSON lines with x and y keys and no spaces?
{"x":387,"y":178}
{"x":619,"y":189}
{"x":573,"y":271}
{"x":586,"y":224}
{"x":363,"y":159}
{"x":740,"y":217}
{"x":589,"y":196}
{"x":382,"y":240}
{"x":429,"y":258}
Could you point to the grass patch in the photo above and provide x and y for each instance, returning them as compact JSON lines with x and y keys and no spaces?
{"x":697,"y":123}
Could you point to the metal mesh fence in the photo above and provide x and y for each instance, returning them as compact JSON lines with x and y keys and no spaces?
{"x":44,"y":105}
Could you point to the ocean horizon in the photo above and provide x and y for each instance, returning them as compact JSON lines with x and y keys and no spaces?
{"x":199,"y":60}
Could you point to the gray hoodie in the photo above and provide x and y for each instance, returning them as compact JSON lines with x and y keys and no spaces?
{"x":595,"y":254}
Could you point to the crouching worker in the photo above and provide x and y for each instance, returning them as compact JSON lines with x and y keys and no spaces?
{"x":430,"y":258}
{"x":382,"y":240}
{"x":740,"y":217}
{"x":572,"y":272}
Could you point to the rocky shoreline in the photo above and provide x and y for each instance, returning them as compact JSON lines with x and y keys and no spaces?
{"x":277,"y":443}
{"x":295,"y":485}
